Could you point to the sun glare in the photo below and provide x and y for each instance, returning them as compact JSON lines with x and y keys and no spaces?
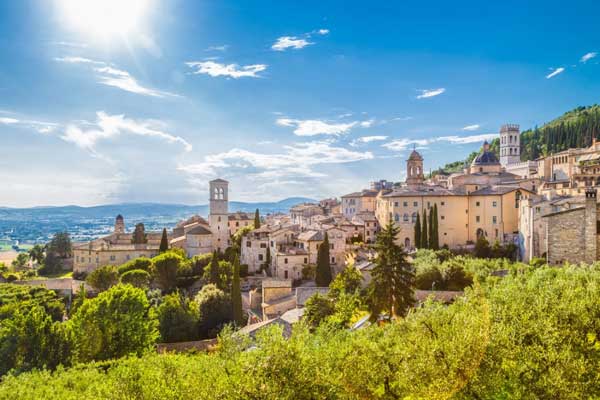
{"x":104,"y":18}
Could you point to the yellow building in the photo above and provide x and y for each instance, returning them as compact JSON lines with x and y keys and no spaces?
{"x":465,"y":212}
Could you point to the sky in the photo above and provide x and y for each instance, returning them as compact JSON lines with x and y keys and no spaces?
{"x":110,"y":101}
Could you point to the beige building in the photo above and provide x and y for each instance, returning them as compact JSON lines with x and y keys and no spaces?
{"x":239,"y":220}
{"x":114,"y":249}
{"x":354,"y":203}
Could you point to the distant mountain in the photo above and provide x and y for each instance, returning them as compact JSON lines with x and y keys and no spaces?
{"x":573,"y":129}
{"x":38,"y":224}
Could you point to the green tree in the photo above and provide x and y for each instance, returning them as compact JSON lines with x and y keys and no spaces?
{"x":215,"y":310}
{"x":137,"y":278}
{"x":256,"y":219}
{"x":323,"y":272}
{"x":430,"y":229}
{"x":236,"y":295}
{"x":424,"y":231}
{"x":482,"y":248}
{"x":114,"y":324}
{"x":434,"y":238}
{"x":143,"y":263}
{"x":267,"y":264}
{"x":177,"y":319}
{"x":349,"y":280}
{"x":418,"y":232}
{"x":317,"y":309}
{"x":391,"y":288}
{"x":20,"y":261}
{"x":164,"y":242}
{"x":60,"y":245}
{"x":78,"y":299}
{"x":166,"y":267}
{"x":214,"y":276}
{"x":37,"y":254}
{"x":103,"y":278}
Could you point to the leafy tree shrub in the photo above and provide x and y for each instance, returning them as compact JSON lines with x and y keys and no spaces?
{"x":349,"y":280}
{"x":166,"y":267}
{"x":317,"y":308}
{"x":136,"y":278}
{"x":113,"y":325}
{"x":200,"y":262}
{"x":537,"y":262}
{"x":103,"y":278}
{"x":177,"y":319}
{"x":20,"y":297}
{"x":143,"y":263}
{"x":455,"y":277}
{"x":482,"y":248}
{"x":20,"y":261}
{"x":60,"y":245}
{"x":429,"y":279}
{"x":215,"y":310}
{"x":219,"y":273}
{"x":323,"y":273}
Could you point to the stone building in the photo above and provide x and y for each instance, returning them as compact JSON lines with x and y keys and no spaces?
{"x":358,"y":202}
{"x":114,"y":249}
{"x":239,"y":220}
{"x":572,"y":235}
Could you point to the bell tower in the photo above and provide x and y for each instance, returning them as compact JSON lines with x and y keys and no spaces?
{"x":219,"y":213}
{"x":510,"y":144}
{"x":119,"y":224}
{"x":414,"y":169}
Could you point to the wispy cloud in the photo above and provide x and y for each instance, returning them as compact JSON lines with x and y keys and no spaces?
{"x":402,"y":118}
{"x":312,"y":127}
{"x":8,"y":121}
{"x":222,"y":47}
{"x":290,"y":42}
{"x":473,"y":127}
{"x":110,"y":76}
{"x":367,"y":139}
{"x":403,"y":144}
{"x":284,"y":43}
{"x":588,"y":56}
{"x":40,"y":126}
{"x":555,"y":72}
{"x":229,"y":70}
{"x":110,"y":126}
{"x":426,"y":93}
{"x":296,"y":160}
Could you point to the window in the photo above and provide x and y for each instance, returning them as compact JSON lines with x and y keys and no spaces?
{"x":285,"y":261}
{"x":237,"y":224}
{"x":112,"y":258}
{"x":405,"y":218}
{"x":414,"y":217}
{"x":477,"y":218}
{"x":248,"y":244}
{"x":396,"y":204}
{"x":263,"y":245}
{"x":272,"y":244}
{"x":443,"y":203}
{"x":331,"y":246}
{"x":428,"y":204}
{"x":305,"y":260}
{"x":496,"y":232}
{"x":442,"y":217}
{"x":477,"y":204}
{"x":333,"y":260}
{"x":494,"y":220}
{"x":405,"y":204}
{"x":397,"y":217}
{"x":285,"y":274}
{"x":415,"y":204}
{"x":260,"y":257}
{"x":494,"y":203}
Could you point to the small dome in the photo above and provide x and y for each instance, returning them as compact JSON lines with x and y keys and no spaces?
{"x":415,"y":156}
{"x":486,"y":158}
{"x":119,"y":217}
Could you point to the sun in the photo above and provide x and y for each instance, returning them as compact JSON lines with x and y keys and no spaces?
{"x":104,"y":18}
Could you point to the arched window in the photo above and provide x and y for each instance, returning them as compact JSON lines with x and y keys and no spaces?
{"x":397,"y":217}
{"x":406,"y":243}
{"x":405,"y":217}
{"x":221,"y":194}
{"x":414,"y":217}
{"x":216,"y":194}
{"x":418,"y":171}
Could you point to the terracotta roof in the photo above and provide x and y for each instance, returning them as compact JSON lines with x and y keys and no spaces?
{"x":311,"y":236}
{"x":199,"y":230}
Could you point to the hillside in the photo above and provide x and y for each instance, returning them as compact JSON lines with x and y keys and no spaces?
{"x":575,"y":128}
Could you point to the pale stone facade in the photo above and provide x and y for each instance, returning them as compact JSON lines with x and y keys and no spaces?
{"x":358,"y":202}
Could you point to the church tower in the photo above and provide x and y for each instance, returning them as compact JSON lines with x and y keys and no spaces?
{"x":219,"y":213}
{"x":119,"y":224}
{"x":414,"y":169}
{"x":510,"y":145}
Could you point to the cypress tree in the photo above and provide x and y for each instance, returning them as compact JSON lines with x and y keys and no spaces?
{"x":430,"y":231}
{"x":424,"y":237}
{"x":256,"y":219}
{"x":236,"y":294}
{"x":164,"y":242}
{"x":435,"y":239}
{"x":418,"y":232}
{"x":323,"y":273}
{"x":268,"y":258}
{"x":391,"y":287}
{"x":215,"y":279}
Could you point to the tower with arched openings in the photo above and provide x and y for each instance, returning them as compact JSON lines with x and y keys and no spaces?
{"x":414,"y":169}
{"x":510,"y":144}
{"x":219,"y":213}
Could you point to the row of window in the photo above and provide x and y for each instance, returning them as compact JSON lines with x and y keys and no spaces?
{"x":416,"y":204}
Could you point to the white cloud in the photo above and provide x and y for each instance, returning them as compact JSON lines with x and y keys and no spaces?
{"x":109,"y":126}
{"x":426,"y":93}
{"x":555,"y":72}
{"x":367,"y":139}
{"x":290,"y":42}
{"x":40,"y":126}
{"x":473,"y":127}
{"x":223,"y":47}
{"x":588,"y":56}
{"x":296,"y":160}
{"x":312,"y":127}
{"x":110,"y":76}
{"x":231,"y":70}
{"x":402,"y":118}
{"x":8,"y":121}
{"x":323,"y":31}
{"x":403,"y":144}
{"x":367,"y":124}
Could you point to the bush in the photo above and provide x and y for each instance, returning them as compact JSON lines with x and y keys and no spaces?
{"x":142,"y":263}
{"x":166,"y":269}
{"x":103,"y":278}
{"x":426,"y":278}
{"x":137,"y":278}
{"x":215,"y":310}
{"x":178,"y":319}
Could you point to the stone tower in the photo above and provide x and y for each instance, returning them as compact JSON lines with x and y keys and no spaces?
{"x":119,"y":224}
{"x":414,"y":169}
{"x":510,"y":144}
{"x":219,"y":213}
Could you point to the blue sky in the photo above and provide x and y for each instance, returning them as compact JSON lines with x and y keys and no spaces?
{"x":111,"y":101}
